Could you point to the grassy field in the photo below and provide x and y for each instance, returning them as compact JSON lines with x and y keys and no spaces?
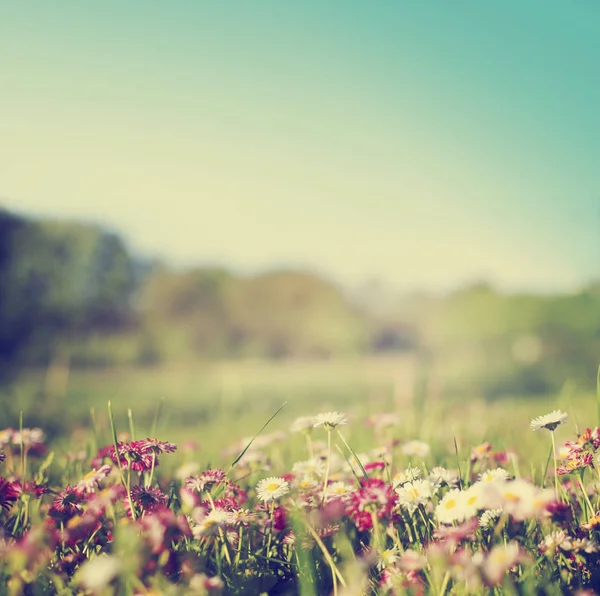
{"x":217,"y":403}
{"x":79,"y":519}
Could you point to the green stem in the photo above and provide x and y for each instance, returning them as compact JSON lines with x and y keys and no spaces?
{"x":555,"y":465}
{"x":327,"y":465}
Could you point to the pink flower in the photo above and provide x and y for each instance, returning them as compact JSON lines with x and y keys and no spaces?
{"x":67,"y":503}
{"x":8,"y":494}
{"x":148,"y":498}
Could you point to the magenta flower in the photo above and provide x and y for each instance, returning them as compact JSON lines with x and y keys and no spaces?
{"x":148,"y":498}
{"x":8,"y":494}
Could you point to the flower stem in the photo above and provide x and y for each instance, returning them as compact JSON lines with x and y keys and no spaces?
{"x":555,"y":465}
{"x":327,"y":465}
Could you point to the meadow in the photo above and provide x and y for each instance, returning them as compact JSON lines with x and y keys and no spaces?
{"x":349,"y":476}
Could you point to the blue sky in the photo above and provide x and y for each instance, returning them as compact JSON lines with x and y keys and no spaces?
{"x":425,"y":144}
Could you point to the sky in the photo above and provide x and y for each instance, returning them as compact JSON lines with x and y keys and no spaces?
{"x":424,"y":144}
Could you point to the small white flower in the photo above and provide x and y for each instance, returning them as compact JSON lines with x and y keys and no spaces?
{"x":584,"y":545}
{"x":416,"y":449}
{"x":330,"y":420}
{"x":489,"y":518}
{"x":388,"y":557}
{"x":412,"y":494}
{"x":474,"y":499}
{"x":557,"y":539}
{"x":209,"y":524}
{"x":409,"y":475}
{"x":412,"y":561}
{"x":187,"y":469}
{"x":272,"y":488}
{"x":304,"y":423}
{"x":310,"y":467}
{"x":497,"y":475}
{"x":98,"y":572}
{"x":549,"y":421}
{"x":338,"y":490}
{"x":500,"y":559}
{"x":89,"y":483}
{"x":439,"y":476}
{"x":452,"y":507}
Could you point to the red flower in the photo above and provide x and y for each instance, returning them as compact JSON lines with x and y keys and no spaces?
{"x":8,"y":494}
{"x":134,"y":455}
{"x":156,"y":446}
{"x":67,"y":503}
{"x":375,"y":498}
{"x":148,"y":498}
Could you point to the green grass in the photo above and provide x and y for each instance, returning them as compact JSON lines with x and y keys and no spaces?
{"x":219,"y":403}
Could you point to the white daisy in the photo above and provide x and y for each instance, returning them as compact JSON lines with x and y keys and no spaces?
{"x":98,"y":572}
{"x":304,"y":423}
{"x":310,"y":467}
{"x":452,"y":507}
{"x":388,"y":557}
{"x":489,"y":518}
{"x":409,"y":475}
{"x":439,"y":476}
{"x":338,"y":490}
{"x":584,"y":545}
{"x":272,"y":488}
{"x":412,"y":494}
{"x":474,"y":499}
{"x":330,"y":420}
{"x":209,"y":524}
{"x":500,"y":559}
{"x":557,"y":539}
{"x":497,"y":475}
{"x":416,"y":449}
{"x":549,"y":421}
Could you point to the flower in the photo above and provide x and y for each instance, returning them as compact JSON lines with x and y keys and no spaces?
{"x":134,"y":455}
{"x":452,"y":507}
{"x":416,"y":449}
{"x":90,"y":482}
{"x":330,"y":420}
{"x":304,"y":423}
{"x":272,"y":488}
{"x":488,"y":518}
{"x":500,"y":559}
{"x":156,"y":446}
{"x":409,"y":475}
{"x":557,"y":539}
{"x":148,"y":498}
{"x":8,"y":494}
{"x":98,"y":572}
{"x":388,"y":557}
{"x":67,"y":503}
{"x":439,"y":476}
{"x":412,"y":494}
{"x":310,"y":467}
{"x":497,"y":475}
{"x":549,"y":421}
{"x":205,"y":481}
{"x":208,"y":524}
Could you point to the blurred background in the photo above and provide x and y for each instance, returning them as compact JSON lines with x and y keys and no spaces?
{"x":224,"y":206}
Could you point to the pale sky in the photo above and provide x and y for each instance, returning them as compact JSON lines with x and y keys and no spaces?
{"x":423,"y":145}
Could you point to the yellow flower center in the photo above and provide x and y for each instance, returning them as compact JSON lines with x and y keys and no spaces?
{"x":450,"y":504}
{"x":272,"y":487}
{"x":472,"y":500}
{"x":414,"y":493}
{"x":511,"y":497}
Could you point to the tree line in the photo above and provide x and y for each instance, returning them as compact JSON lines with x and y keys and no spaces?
{"x":74,"y":289}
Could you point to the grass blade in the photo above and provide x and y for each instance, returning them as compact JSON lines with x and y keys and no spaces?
{"x":237,"y":459}
{"x":362,"y":469}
